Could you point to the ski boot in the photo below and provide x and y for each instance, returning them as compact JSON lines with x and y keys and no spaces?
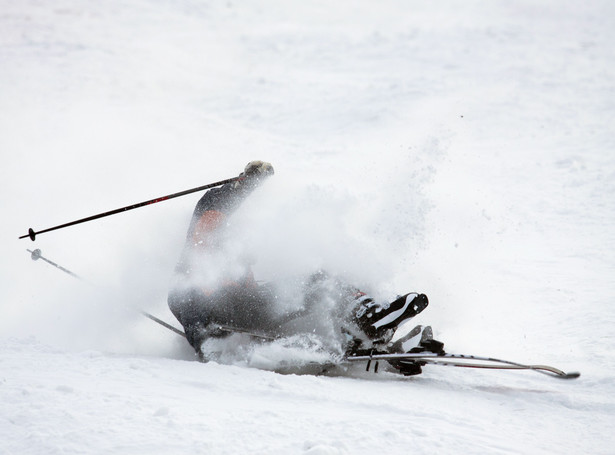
{"x":421,"y":339}
{"x":379,"y":321}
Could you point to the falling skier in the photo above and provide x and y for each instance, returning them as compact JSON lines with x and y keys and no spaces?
{"x":214,"y":286}
{"x":215,"y":294}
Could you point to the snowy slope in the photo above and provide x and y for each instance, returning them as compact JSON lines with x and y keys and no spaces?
{"x":462,"y":150}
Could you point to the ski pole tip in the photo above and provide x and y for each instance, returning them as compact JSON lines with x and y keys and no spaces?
{"x":36,"y":254}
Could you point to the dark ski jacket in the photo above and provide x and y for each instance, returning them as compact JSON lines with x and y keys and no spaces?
{"x":208,"y":221}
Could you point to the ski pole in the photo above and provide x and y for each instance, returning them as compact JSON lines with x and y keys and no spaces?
{"x":32,"y":233}
{"x":162,"y":323}
{"x":36,"y":255}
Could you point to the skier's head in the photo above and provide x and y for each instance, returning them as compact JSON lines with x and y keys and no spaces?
{"x":254,"y":174}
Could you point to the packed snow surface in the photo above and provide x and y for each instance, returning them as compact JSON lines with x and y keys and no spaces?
{"x":460,"y":149}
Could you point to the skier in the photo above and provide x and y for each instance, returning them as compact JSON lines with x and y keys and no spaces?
{"x":211,"y":283}
{"x":215,"y":286}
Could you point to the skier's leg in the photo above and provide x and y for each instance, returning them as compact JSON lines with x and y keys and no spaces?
{"x":249,"y":307}
{"x":191,"y":311}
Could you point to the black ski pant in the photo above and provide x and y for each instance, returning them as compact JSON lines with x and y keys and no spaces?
{"x":246,"y":307}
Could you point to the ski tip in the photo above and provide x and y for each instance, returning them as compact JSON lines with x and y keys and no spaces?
{"x":571,"y":375}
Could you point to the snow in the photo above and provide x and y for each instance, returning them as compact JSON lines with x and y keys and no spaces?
{"x":464,"y":150}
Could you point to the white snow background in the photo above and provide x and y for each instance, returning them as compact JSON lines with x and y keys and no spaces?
{"x":461,"y":149}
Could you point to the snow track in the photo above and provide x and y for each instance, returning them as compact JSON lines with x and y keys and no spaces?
{"x":59,"y":402}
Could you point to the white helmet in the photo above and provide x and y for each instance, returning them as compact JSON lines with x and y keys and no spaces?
{"x":254,"y":173}
{"x":258,"y":168}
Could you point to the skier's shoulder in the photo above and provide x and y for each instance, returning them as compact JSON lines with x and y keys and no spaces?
{"x":216,"y":199}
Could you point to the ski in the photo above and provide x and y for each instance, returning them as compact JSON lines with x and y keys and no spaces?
{"x":417,"y":358}
{"x":463,"y":361}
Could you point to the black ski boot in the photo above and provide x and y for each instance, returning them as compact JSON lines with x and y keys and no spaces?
{"x":419,"y":339}
{"x":379,"y":321}
{"x":428,"y":344}
{"x":422,"y":338}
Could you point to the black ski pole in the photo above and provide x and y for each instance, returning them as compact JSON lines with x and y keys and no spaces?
{"x":32,"y":233}
{"x":36,"y":255}
{"x":162,"y":323}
